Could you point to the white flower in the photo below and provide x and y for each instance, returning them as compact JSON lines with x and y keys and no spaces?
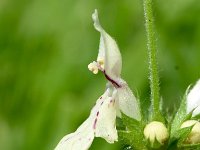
{"x":194,"y":136}
{"x":117,"y":98}
{"x":110,"y":63}
{"x":156,"y":131}
{"x":193,"y":100}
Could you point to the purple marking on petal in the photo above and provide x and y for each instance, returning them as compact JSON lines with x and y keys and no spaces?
{"x":101,"y":97}
{"x":101,"y":103}
{"x":97,"y":113}
{"x":67,"y":139}
{"x":111,"y":101}
{"x":111,"y":80}
{"x":71,"y":137}
{"x":95,"y":123}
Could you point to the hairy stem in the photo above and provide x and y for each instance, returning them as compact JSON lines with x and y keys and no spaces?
{"x":153,"y":67}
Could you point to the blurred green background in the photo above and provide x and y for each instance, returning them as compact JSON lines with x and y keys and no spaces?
{"x":46,"y":90}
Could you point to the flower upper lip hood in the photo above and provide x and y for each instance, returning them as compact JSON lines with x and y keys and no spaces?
{"x":109,"y":58}
{"x":193,"y":99}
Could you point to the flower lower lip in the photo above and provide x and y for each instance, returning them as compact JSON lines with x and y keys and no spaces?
{"x":111,"y":80}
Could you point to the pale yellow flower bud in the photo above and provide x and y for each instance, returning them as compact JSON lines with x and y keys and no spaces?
{"x":194,"y":136}
{"x":156,"y":131}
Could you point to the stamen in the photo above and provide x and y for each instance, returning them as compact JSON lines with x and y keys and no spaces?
{"x":99,"y":65}
{"x":100,"y":61}
{"x":93,"y":67}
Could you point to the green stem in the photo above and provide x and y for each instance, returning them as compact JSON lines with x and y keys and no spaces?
{"x":153,"y":67}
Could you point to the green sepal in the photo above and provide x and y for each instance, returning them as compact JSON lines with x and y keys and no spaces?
{"x":156,"y":145}
{"x":133,"y":138}
{"x":130,"y":123}
{"x":179,"y":116}
{"x":177,"y":133}
{"x":191,"y":146}
{"x":119,"y":124}
{"x":133,"y":133}
{"x":179,"y":137}
{"x":183,"y":134}
{"x":197,"y":117}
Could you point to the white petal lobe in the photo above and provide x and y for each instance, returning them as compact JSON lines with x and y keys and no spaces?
{"x":100,"y":123}
{"x":128,"y":103}
{"x":106,"y":120}
{"x":193,"y":99}
{"x":79,"y":140}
